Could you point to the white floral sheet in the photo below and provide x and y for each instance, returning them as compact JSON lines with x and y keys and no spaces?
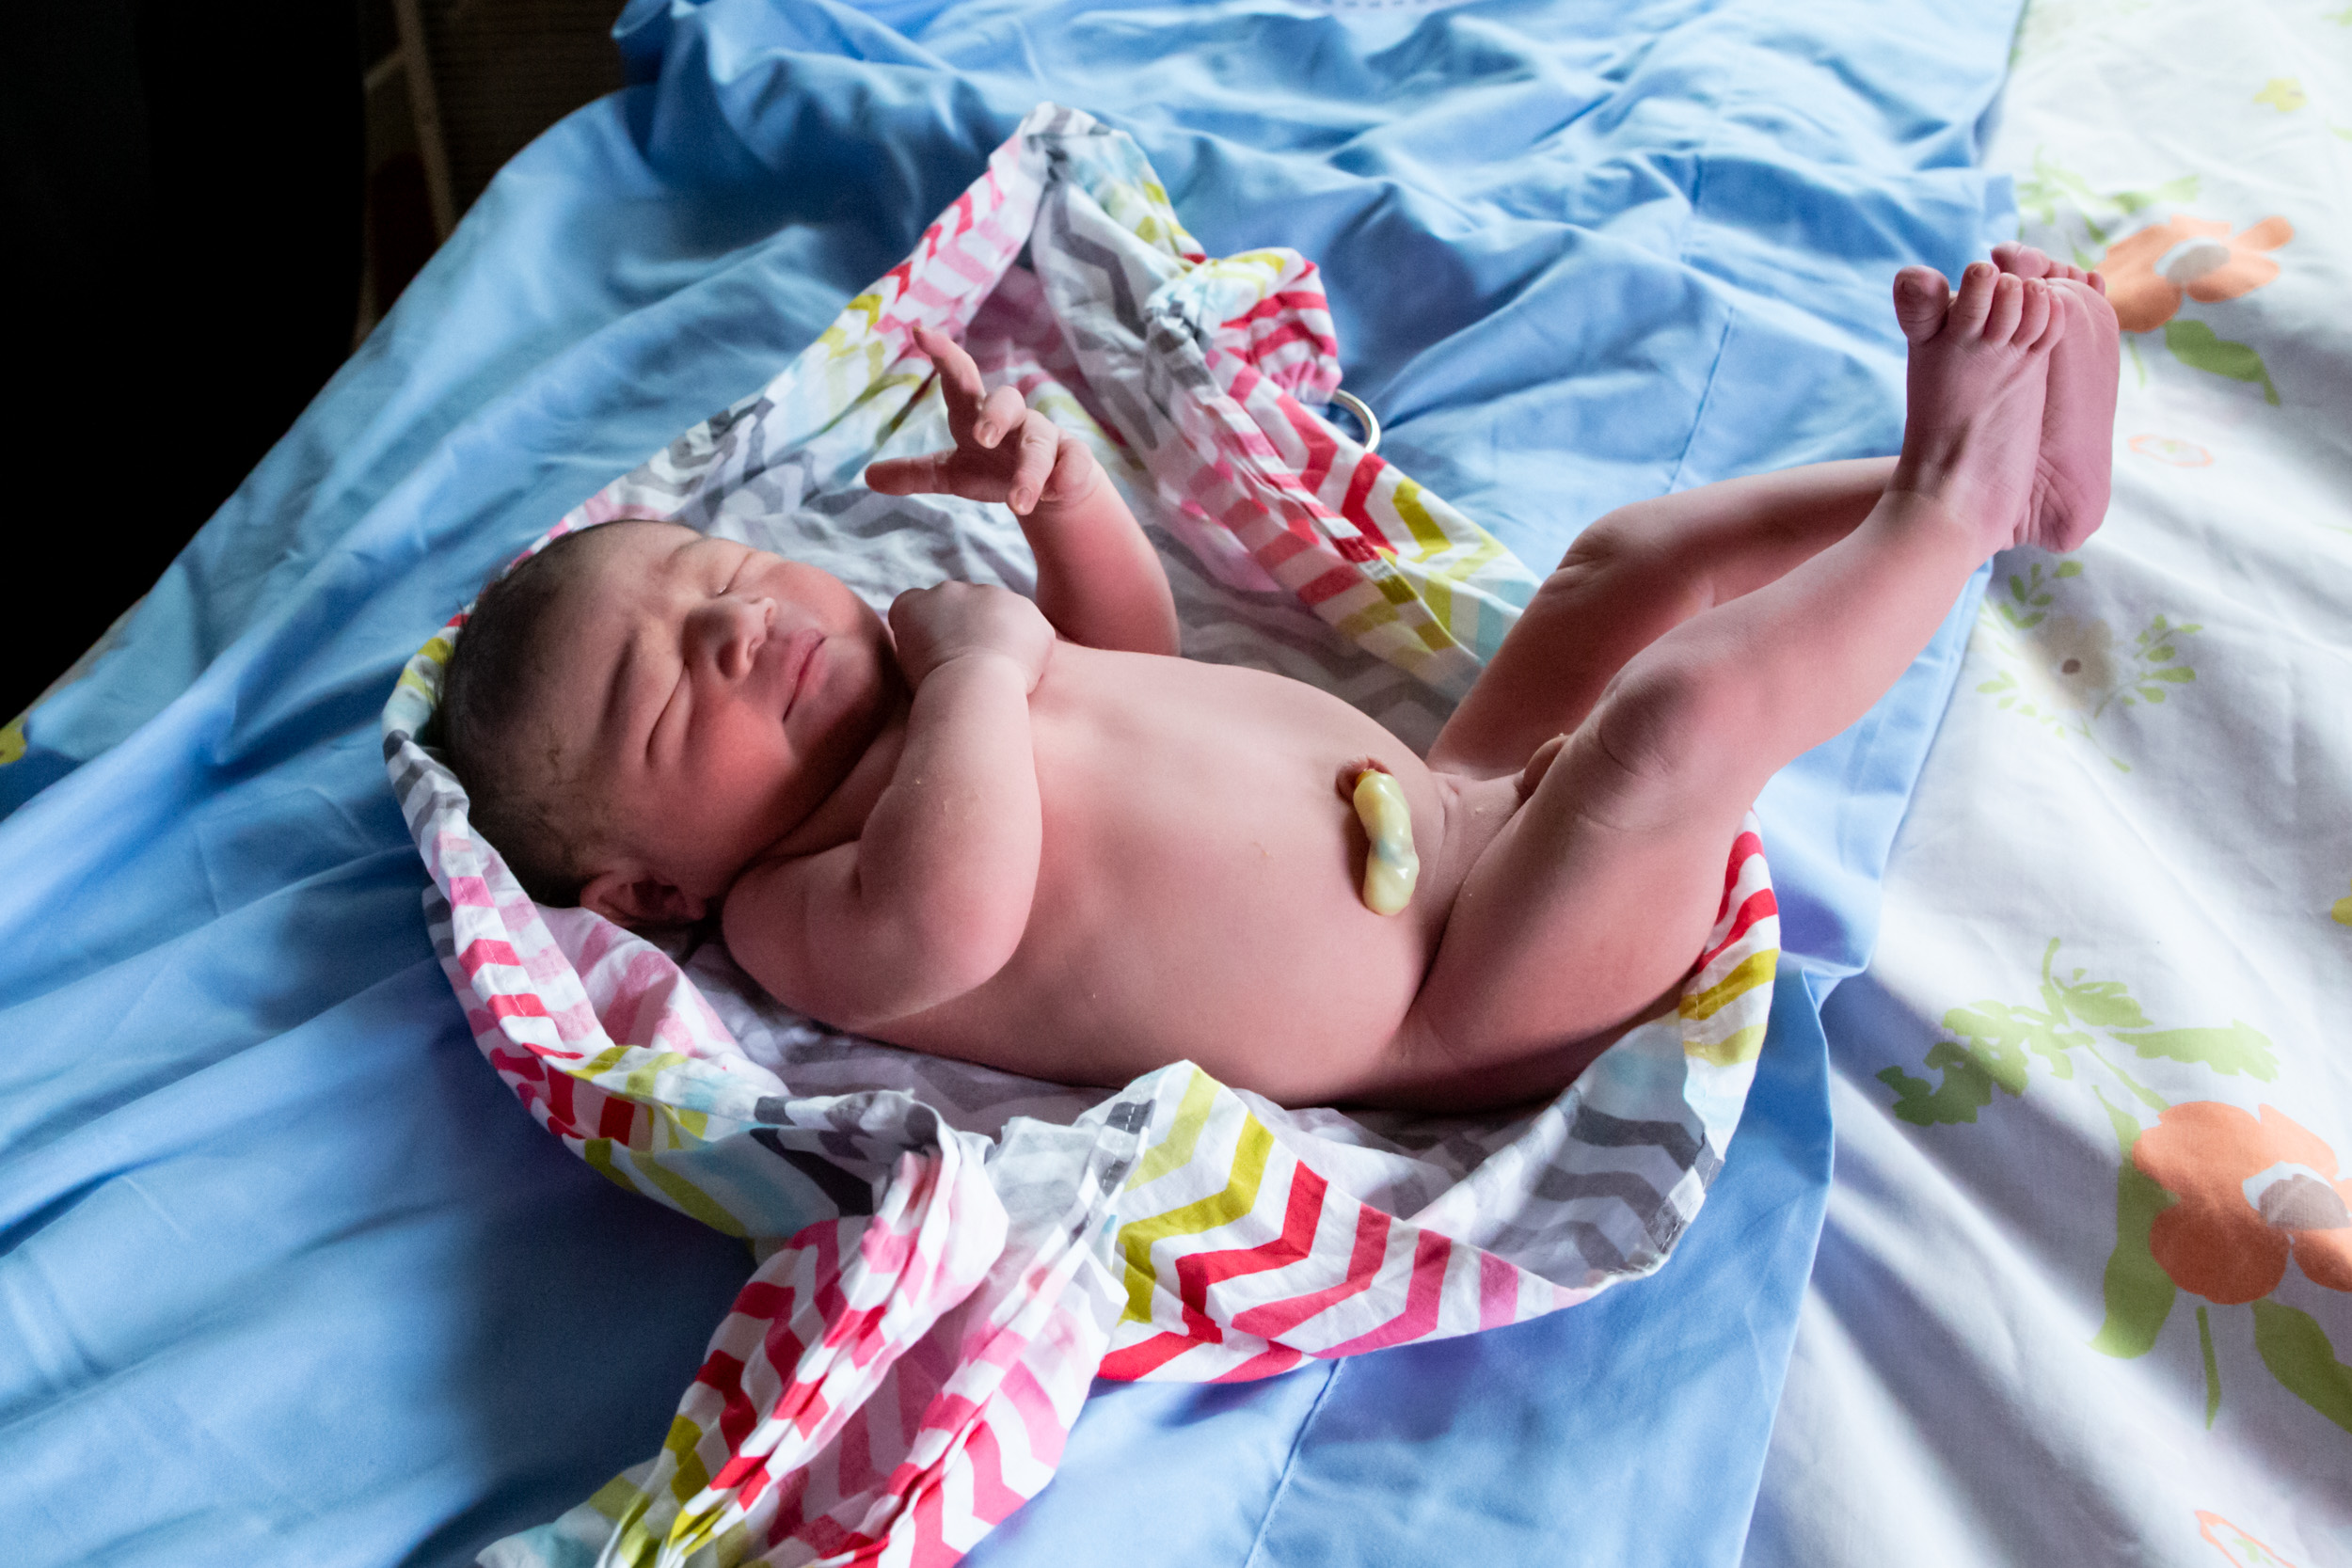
{"x":2084,"y":1292}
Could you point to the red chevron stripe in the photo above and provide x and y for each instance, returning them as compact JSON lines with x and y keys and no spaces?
{"x":1421,"y":1300}
{"x":1756,"y":906}
{"x":1360,"y":486}
{"x":517,"y":1004}
{"x":618,"y":1117}
{"x":1142,"y":1360}
{"x":1741,"y":848}
{"x":1277,"y":1318}
{"x":1197,"y":1272}
{"x":1327,"y":585}
{"x":1322,"y":446}
{"x":1270,"y":1362}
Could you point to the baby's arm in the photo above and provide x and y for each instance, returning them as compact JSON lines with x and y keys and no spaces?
{"x":1099,"y":581}
{"x":931,"y":899}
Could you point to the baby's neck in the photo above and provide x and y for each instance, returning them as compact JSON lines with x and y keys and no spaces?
{"x":840,"y":816}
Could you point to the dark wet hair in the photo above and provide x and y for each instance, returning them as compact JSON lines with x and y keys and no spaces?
{"x":520,"y":796}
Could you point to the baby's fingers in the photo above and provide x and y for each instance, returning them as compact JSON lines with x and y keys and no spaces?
{"x":1039,"y":441}
{"x":928,"y":475}
{"x":958,"y":379}
{"x":1003,"y":411}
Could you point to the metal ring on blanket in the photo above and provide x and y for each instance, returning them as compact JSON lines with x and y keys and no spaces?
{"x":1365,"y":417}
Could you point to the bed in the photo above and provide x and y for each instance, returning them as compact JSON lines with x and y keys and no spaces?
{"x":286,"y":1276}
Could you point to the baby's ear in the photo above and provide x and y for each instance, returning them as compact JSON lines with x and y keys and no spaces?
{"x":641,"y":901}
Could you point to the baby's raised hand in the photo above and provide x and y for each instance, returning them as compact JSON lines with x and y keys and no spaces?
{"x":1004,"y":450}
{"x":949,"y":620}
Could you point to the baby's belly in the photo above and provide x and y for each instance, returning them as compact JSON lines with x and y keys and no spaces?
{"x":1198,"y":893}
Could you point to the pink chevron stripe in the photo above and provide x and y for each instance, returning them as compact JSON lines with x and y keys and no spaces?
{"x":1039,"y":1418}
{"x":1498,"y":1291}
{"x":1423,"y":1297}
{"x":1276,"y":1318}
{"x":470,"y":892}
{"x":991,"y":1500}
{"x":1289,"y":332}
{"x":1295,"y":297}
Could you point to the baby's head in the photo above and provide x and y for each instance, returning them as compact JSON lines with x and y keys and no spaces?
{"x":639,"y":711}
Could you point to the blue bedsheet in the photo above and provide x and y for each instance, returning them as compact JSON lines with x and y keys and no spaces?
{"x":1577,"y":253}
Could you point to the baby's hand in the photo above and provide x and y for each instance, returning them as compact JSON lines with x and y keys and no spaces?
{"x":1004,"y":450}
{"x":950,"y":619}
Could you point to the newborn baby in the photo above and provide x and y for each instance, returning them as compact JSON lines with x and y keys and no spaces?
{"x":1031,"y":834}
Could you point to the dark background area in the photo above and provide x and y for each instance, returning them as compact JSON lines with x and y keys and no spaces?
{"x":209,"y":205}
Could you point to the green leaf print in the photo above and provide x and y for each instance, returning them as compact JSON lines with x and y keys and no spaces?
{"x":2294,"y":1347}
{"x":2198,"y":347}
{"x":1967,"y":1089}
{"x":2240,"y":1048}
{"x":2139,"y":1292}
{"x":2100,"y":1004}
{"x":1998,"y":1036}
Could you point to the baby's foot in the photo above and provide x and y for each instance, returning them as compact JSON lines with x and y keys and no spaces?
{"x":1979,"y":368}
{"x":2070,"y":485}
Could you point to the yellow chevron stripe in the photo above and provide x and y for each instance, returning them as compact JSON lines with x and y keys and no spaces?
{"x":1754,"y":970}
{"x":1239,"y":1197}
{"x":601,"y":1063}
{"x":1175,"y":1150}
{"x":1426,"y":532}
{"x":1438,"y":594}
{"x":640,"y":1084}
{"x":1378,"y":613}
{"x":598,"y":1153}
{"x":687,"y":1197}
{"x":617,"y":1498}
{"x":680,"y":1445}
{"x":1743,"y":1045}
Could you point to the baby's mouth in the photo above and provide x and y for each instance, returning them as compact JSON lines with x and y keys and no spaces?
{"x":801,"y":665}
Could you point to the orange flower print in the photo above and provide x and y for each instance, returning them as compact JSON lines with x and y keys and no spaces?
{"x":2250,"y":1192}
{"x":2147,"y":272}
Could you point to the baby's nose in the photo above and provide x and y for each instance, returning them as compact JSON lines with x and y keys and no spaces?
{"x":731,"y":632}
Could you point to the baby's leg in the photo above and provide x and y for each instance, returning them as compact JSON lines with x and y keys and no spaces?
{"x":1630,"y":579}
{"x":1588,"y":908}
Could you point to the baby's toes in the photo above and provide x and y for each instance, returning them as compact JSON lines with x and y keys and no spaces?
{"x":2035,"y":309}
{"x":2021,"y":259}
{"x":1973,"y":303}
{"x":1921,"y":297}
{"x":2008,"y":309}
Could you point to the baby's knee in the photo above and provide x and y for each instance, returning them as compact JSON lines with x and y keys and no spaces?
{"x":1665,"y":714}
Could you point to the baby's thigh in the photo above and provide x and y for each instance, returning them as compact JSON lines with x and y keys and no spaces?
{"x":1581,"y":917}
{"x":1596,"y":611}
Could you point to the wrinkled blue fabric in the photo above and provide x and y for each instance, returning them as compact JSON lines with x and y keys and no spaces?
{"x":286,"y":1276}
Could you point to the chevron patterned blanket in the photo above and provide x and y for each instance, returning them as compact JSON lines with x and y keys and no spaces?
{"x":946,"y":1255}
